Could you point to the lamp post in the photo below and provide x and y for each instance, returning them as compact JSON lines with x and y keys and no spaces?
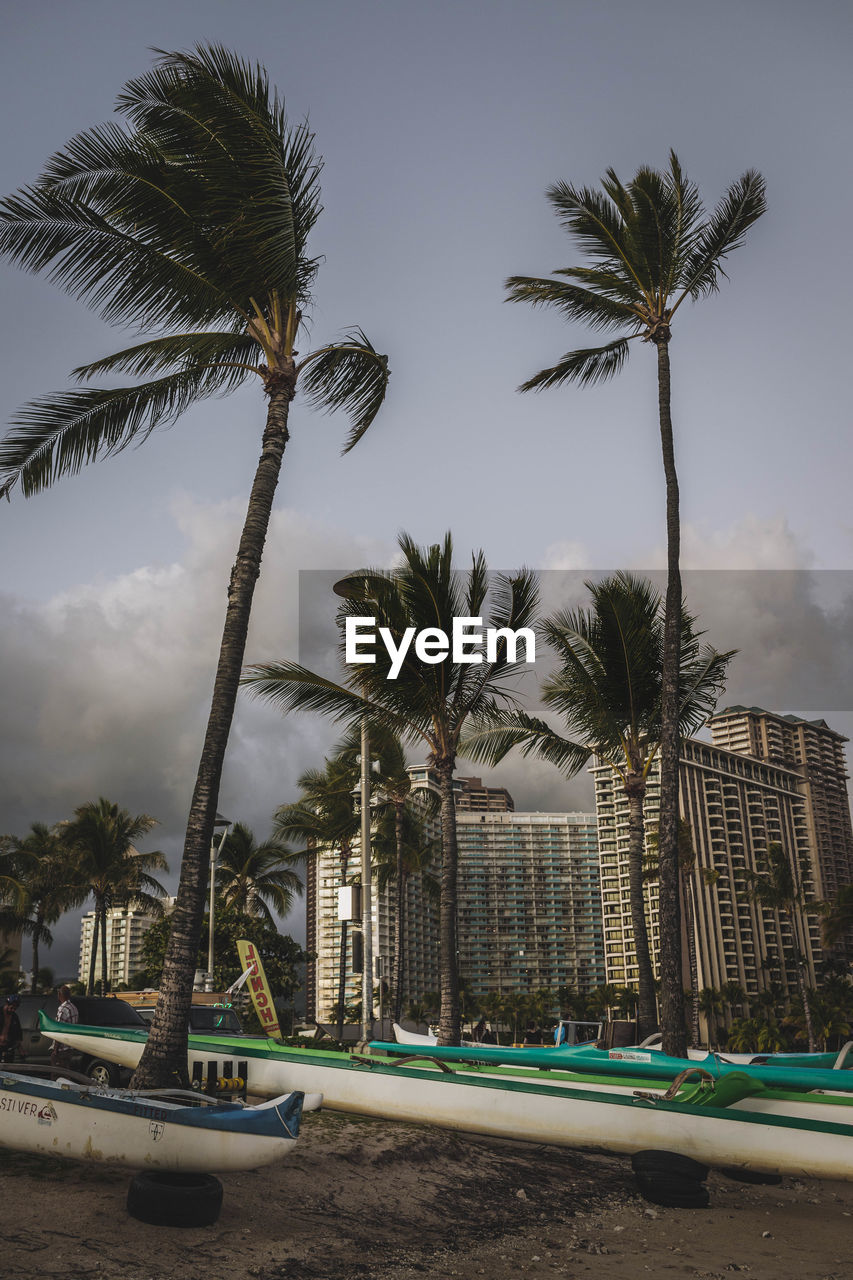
{"x":225,"y":823}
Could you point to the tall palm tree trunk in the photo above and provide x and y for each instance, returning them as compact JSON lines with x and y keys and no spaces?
{"x":449,"y":1024}
{"x":672,"y":1000}
{"x":635,"y":790}
{"x":103,"y":946}
{"x":799,"y":962}
{"x":164,"y":1056}
{"x":690,"y":921}
{"x":399,"y":929}
{"x":36,"y":936}
{"x":93,"y":958}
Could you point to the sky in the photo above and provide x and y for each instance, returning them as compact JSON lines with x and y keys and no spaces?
{"x":441,"y":125}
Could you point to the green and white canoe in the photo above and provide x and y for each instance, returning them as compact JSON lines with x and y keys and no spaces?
{"x":733,"y":1122}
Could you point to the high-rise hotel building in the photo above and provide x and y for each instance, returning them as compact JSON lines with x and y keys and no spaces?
{"x":529,"y":910}
{"x":764,"y":779}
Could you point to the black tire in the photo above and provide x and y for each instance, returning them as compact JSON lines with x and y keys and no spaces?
{"x":669,"y":1162}
{"x":753,"y":1176}
{"x":175,"y":1199}
{"x":671,"y":1192}
{"x":105,"y":1074}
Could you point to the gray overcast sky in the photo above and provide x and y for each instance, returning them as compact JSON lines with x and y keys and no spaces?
{"x":441,"y":124}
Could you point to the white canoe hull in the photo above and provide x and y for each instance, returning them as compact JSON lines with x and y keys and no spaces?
{"x":753,"y":1135}
{"x":119,"y":1128}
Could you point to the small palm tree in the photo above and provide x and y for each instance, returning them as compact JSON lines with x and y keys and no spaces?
{"x":47,"y":888}
{"x":838,"y":917}
{"x":101,"y":839}
{"x":427,"y":703}
{"x":192,"y":223}
{"x":324,"y":817}
{"x":651,"y":246}
{"x":711,"y":1003}
{"x":253,"y":878}
{"x":608,"y":688}
{"x":778,"y":887}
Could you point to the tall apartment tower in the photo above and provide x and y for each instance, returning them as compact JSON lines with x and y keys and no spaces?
{"x":816,"y":752}
{"x":125,"y":932}
{"x":736,"y":806}
{"x":529,"y":902}
{"x":529,"y":908}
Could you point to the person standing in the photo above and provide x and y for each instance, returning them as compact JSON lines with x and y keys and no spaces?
{"x":11,"y":1032}
{"x":60,"y":1054}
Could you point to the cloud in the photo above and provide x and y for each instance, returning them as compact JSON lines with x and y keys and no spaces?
{"x":108,"y":686}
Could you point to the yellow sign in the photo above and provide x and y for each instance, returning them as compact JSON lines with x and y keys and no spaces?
{"x":259,"y":987}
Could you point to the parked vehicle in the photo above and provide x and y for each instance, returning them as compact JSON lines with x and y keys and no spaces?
{"x":204,"y":1019}
{"x":93,"y":1011}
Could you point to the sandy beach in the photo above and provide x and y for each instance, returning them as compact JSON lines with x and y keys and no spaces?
{"x":364,"y":1199}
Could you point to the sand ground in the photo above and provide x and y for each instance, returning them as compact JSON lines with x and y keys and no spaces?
{"x":364,"y":1199}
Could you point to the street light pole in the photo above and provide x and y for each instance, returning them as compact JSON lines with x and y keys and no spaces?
{"x":366,"y":904}
{"x":219,"y":821}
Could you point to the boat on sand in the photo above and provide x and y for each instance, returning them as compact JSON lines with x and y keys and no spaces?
{"x":167,"y":1130}
{"x":736,"y":1122}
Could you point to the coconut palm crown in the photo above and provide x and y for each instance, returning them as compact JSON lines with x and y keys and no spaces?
{"x":190,"y":221}
{"x":650,"y":246}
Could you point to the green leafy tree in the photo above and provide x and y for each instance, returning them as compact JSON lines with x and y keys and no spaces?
{"x":45,"y":889}
{"x":101,"y":839}
{"x":253,"y":878}
{"x":778,"y":887}
{"x":193,"y":222}
{"x":608,"y":689}
{"x":425,"y":703}
{"x":324,"y":817}
{"x":280,"y":955}
{"x":711,"y":1004}
{"x":650,"y":246}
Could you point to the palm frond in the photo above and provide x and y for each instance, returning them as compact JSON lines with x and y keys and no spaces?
{"x":587,"y":366}
{"x":184,"y":350}
{"x":575,"y":303}
{"x":489,"y":741}
{"x":349,"y":375}
{"x":57,"y":435}
{"x":121,"y":275}
{"x":742,"y":205}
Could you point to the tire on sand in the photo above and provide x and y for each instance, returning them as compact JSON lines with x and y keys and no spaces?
{"x":174,"y":1199}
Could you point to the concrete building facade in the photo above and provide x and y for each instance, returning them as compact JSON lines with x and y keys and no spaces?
{"x":125,"y":932}
{"x":736,"y":806}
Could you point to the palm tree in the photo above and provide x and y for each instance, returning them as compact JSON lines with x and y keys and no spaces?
{"x":325,"y":817}
{"x":47,"y":888}
{"x":711,"y":1003}
{"x":192,"y":222}
{"x":253,"y":878}
{"x":608,"y":688}
{"x":425,"y":702}
{"x":651,"y":245}
{"x":838,"y":917}
{"x":101,"y":838}
{"x":686,"y":867}
{"x":777,"y":887}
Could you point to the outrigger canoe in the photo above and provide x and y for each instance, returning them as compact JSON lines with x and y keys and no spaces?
{"x":785,"y":1071}
{"x":169,"y":1130}
{"x":733,"y":1122}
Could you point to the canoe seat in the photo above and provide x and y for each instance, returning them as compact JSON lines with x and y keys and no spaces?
{"x":728,"y":1089}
